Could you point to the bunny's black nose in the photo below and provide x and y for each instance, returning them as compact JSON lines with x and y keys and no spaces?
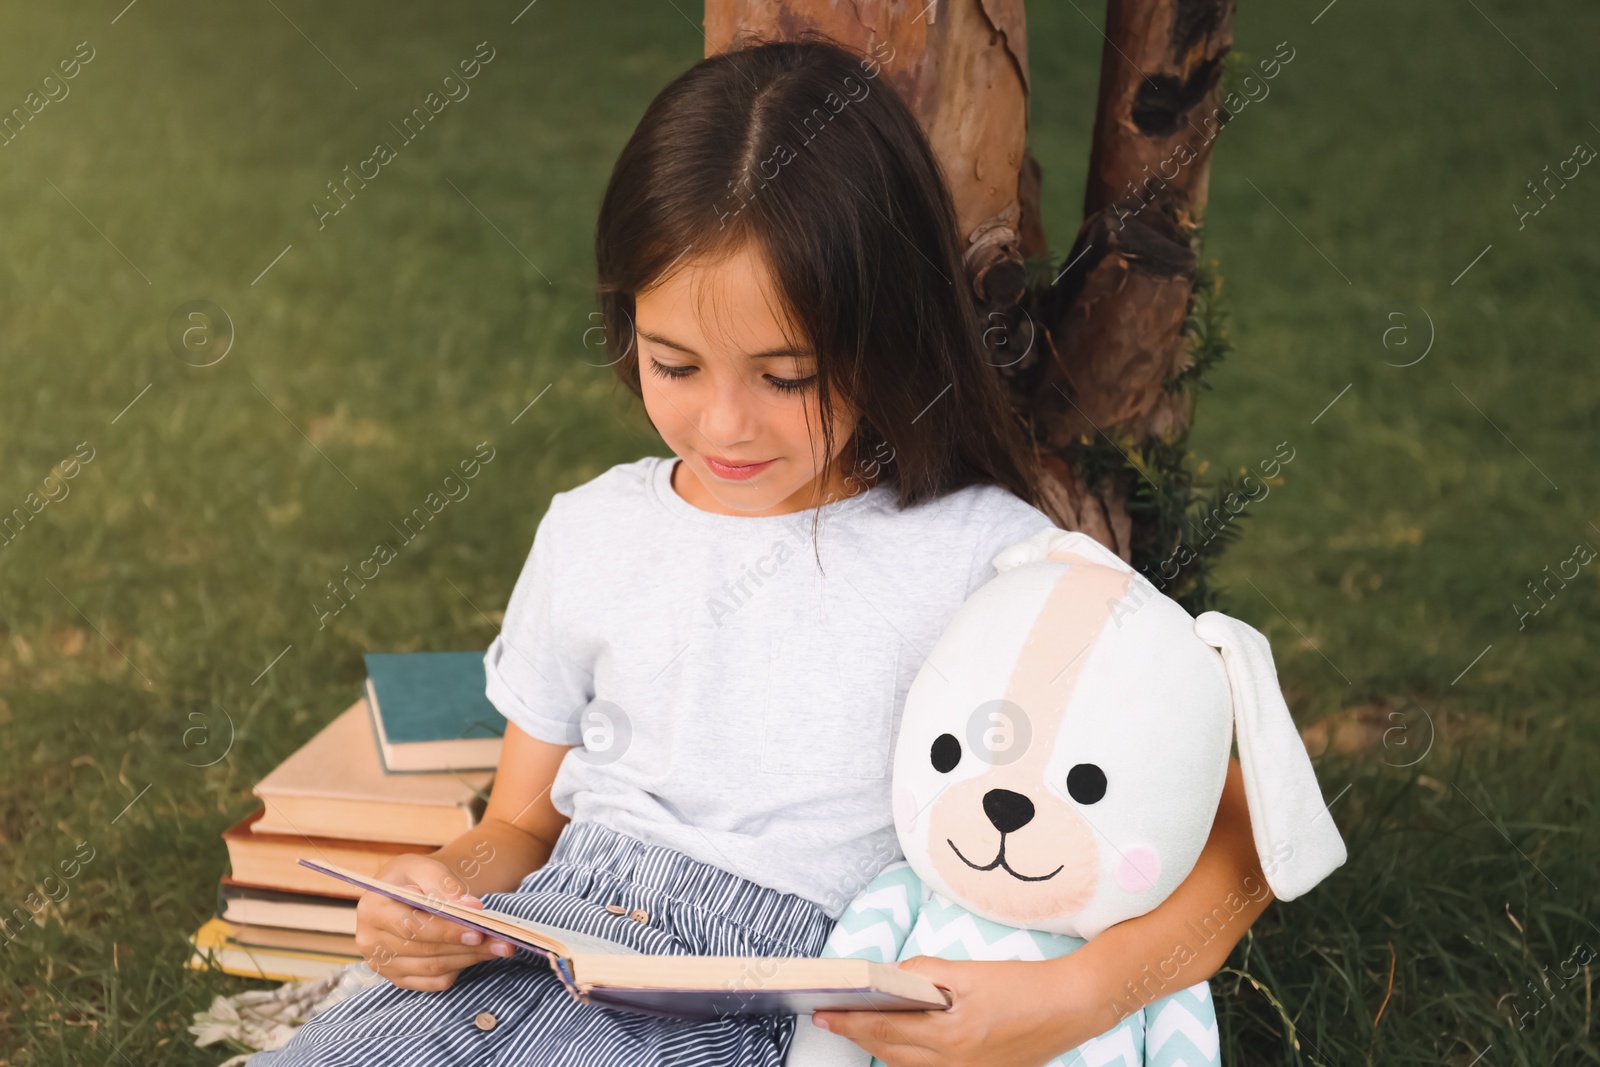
{"x":1007,"y":810}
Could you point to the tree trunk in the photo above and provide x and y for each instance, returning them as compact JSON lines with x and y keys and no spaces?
{"x":1094,"y":352}
{"x":1115,"y":327}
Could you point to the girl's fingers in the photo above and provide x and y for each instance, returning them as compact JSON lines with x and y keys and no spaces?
{"x":425,"y":985}
{"x":396,"y":949}
{"x":407,"y":925}
{"x":428,"y":951}
{"x":906,"y":1056}
{"x":493,"y":944}
{"x":405,"y":954}
{"x":875,"y":1031}
{"x":427,"y":966}
{"x":482,"y":947}
{"x":399,"y":958}
{"x":433,"y":966}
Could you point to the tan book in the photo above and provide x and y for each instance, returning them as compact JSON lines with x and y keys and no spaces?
{"x":280,"y":939}
{"x":271,"y":860}
{"x":241,"y":903}
{"x":215,"y":947}
{"x":690,"y":987}
{"x":335,"y":786}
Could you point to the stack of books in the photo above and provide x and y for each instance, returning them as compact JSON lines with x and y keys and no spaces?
{"x":406,"y":768}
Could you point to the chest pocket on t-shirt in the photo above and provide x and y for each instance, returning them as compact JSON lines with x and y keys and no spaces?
{"x":830,"y":702}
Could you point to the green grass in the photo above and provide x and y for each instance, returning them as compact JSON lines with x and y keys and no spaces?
{"x":141,"y":610}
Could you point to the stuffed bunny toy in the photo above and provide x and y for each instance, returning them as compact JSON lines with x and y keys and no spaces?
{"x":1059,"y":763}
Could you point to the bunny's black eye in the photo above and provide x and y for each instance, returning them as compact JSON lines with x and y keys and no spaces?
{"x":1086,"y":783}
{"x":946,"y":753}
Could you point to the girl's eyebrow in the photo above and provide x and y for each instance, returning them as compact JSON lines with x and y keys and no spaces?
{"x":771,"y":353}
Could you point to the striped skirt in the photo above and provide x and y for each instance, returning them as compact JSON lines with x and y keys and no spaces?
{"x":516,"y":1012}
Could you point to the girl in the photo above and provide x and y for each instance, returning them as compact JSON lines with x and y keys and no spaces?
{"x":704,"y":659}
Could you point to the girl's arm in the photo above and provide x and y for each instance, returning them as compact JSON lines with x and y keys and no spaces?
{"x":416,"y":950}
{"x":1137,"y":961}
{"x":520,"y":825}
{"x":1029,"y":1012}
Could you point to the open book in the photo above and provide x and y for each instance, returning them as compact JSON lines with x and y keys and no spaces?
{"x":686,"y":987}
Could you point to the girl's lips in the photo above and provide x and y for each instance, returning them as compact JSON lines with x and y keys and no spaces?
{"x":736,"y":472}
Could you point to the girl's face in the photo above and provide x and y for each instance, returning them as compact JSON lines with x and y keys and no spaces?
{"x":726,"y":391}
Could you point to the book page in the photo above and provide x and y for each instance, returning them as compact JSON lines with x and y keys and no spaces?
{"x":491,"y":920}
{"x":499,"y":923}
{"x":751,"y":977}
{"x":576,"y":943}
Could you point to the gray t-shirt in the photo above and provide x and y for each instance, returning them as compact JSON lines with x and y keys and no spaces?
{"x":732,"y":701}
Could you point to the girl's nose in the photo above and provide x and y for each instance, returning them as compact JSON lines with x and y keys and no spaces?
{"x":731,"y":415}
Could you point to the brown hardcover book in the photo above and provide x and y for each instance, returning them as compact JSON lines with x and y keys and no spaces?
{"x":249,"y":905}
{"x":335,"y":786}
{"x":272,"y":860}
{"x":278,"y":939}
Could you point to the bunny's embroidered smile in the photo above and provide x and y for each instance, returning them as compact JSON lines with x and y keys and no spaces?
{"x":1008,"y":812}
{"x":1000,"y":861}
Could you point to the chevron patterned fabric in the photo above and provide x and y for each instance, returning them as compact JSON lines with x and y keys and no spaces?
{"x":898,"y":917}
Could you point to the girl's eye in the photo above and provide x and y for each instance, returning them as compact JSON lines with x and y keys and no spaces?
{"x":668,"y":372}
{"x":790,"y":385}
{"x":783,"y":385}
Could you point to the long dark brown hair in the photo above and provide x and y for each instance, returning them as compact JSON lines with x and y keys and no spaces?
{"x":800,"y":147}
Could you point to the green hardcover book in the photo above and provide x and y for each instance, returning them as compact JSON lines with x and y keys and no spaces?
{"x":429,"y":712}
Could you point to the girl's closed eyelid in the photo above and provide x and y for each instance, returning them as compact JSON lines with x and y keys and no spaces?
{"x":668,"y":371}
{"x":783,"y":385}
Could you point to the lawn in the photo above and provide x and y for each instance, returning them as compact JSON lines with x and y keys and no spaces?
{"x":167,"y":635}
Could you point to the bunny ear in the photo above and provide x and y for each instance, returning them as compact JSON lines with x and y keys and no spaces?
{"x":1295,"y":837}
{"x":1052,"y":543}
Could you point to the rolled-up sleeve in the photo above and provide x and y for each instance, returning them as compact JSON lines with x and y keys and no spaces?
{"x":530,"y":677}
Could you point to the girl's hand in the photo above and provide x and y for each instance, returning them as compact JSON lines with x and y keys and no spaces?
{"x":415,"y":949}
{"x":1022,"y":1013}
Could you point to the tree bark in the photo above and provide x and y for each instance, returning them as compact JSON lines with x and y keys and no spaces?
{"x":1115,"y":330}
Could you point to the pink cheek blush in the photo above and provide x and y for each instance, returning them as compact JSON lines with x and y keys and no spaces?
{"x":1138,"y":869}
{"x":905,"y":808}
